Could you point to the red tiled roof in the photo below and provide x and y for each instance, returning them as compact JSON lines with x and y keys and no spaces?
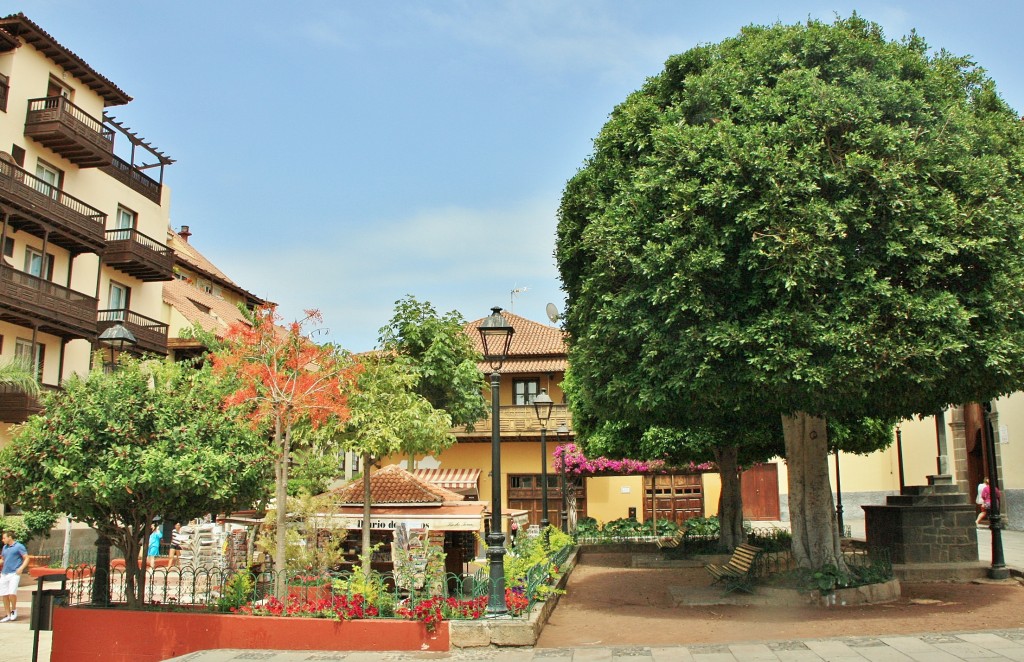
{"x":393,"y":484}
{"x":198,"y":307}
{"x":20,"y":25}
{"x":187,"y":254}
{"x":535,"y":347}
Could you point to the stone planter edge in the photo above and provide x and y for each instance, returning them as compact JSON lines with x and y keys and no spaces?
{"x":510,"y":631}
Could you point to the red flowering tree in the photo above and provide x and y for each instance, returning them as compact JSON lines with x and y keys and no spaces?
{"x":284,"y":382}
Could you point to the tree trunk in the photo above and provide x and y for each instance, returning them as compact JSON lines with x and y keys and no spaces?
{"x":730,"y":502}
{"x":811,"y":510}
{"x":282,"y":440}
{"x":135,"y":554}
{"x":367,"y":499}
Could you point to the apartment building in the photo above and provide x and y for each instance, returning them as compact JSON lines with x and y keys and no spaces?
{"x":83,"y":214}
{"x":199,"y":294}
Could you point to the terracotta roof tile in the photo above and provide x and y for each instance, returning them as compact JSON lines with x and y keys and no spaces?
{"x":393,"y":484}
{"x":535,"y":347}
{"x":186,"y":253}
{"x":20,"y":25}
{"x":198,"y":307}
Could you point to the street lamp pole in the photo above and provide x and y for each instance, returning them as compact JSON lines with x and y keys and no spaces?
{"x":116,"y":337}
{"x":563,"y":436}
{"x":496,"y":337}
{"x":998,"y":569}
{"x":542,"y":405}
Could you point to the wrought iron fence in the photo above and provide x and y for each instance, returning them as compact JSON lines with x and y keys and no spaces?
{"x":226,"y":590}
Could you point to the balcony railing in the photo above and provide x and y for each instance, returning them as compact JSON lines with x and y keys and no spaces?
{"x":16,"y":405}
{"x":32,"y":200}
{"x":151,"y":334}
{"x":139,"y":255}
{"x":70,"y":131}
{"x":133,"y":178}
{"x":28,"y":300}
{"x":520,"y":420}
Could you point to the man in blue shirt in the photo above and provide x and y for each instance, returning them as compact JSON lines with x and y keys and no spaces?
{"x":15,"y":561}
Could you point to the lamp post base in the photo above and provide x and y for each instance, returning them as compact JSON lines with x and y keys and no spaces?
{"x":496,"y":605}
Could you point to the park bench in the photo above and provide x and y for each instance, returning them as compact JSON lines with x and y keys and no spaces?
{"x":671,"y":541}
{"x":739,"y":571}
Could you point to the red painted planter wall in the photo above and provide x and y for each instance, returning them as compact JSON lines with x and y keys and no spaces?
{"x":150,"y":636}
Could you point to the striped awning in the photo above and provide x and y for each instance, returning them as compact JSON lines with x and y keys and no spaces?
{"x":462,"y":481}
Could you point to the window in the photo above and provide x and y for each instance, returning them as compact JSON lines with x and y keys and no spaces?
{"x":35,"y":266}
{"x":124,"y":220}
{"x":524,"y":390}
{"x":8,"y":246}
{"x":4,"y":89}
{"x":49,"y":179}
{"x":23,"y":354}
{"x":18,"y":152}
{"x":59,"y":89}
{"x":118,"y":298}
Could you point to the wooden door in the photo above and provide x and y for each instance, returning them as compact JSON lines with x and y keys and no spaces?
{"x":676,"y":497}
{"x":760,"y":488}
{"x":524,"y":493}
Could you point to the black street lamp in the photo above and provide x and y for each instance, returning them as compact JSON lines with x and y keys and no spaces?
{"x":116,"y":337}
{"x":563,"y":436}
{"x":839,"y":500}
{"x":995,"y":523}
{"x":496,"y":337}
{"x":542,"y":405}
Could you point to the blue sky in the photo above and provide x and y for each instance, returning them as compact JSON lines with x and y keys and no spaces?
{"x":340,"y":155}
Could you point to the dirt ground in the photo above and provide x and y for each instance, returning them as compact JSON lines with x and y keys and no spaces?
{"x":608,"y":606}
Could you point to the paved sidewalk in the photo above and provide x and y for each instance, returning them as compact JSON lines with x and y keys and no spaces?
{"x":996,"y":645}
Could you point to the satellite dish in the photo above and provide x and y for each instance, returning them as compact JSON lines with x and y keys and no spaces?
{"x":553,"y":313}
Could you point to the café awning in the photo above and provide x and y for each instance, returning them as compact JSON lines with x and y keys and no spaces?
{"x":462,"y":481}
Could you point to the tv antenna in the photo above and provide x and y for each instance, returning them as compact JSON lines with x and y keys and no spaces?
{"x":553,"y":315}
{"x":512,"y":297}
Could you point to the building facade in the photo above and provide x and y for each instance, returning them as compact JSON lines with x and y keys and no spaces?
{"x":83,"y":215}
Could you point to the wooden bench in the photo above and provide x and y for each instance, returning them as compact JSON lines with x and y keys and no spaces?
{"x":739,"y":571}
{"x":671,"y":541}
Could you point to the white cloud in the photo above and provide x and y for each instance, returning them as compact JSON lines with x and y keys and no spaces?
{"x":455,"y":257}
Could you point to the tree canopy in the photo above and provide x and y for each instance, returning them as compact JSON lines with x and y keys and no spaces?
{"x":810,"y":215}
{"x":811,"y":219}
{"x":117,"y":449}
{"x":440,"y":352}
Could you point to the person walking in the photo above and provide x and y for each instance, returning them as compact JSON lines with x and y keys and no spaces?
{"x":177,"y":540}
{"x":155,"y":538}
{"x":986,"y":502}
{"x":15,"y":560}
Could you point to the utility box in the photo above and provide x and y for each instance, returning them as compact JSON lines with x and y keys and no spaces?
{"x":44,"y":600}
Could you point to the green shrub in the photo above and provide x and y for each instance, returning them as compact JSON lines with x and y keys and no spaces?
{"x":706,"y":527}
{"x":238,"y":591}
{"x":624,"y":527}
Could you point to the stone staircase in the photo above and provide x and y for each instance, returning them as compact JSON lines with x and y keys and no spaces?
{"x":929,"y":531}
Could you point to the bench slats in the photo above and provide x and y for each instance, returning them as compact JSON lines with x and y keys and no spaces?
{"x":735,"y":572}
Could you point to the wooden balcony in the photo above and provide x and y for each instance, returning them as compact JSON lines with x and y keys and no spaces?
{"x":138,"y":255}
{"x":35,"y":206}
{"x":70,"y":131}
{"x":518,"y":421}
{"x":29,"y":301}
{"x":16,"y":406}
{"x":133,"y":178}
{"x":151,"y":334}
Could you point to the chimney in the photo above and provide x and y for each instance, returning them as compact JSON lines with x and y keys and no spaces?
{"x":185,"y":234}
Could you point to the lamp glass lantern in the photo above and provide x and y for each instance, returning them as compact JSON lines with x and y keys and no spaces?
{"x":496,"y":338}
{"x":117,"y":337}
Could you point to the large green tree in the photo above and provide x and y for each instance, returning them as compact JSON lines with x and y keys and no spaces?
{"x":807,"y":217}
{"x":115,"y":450}
{"x":440,"y":352}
